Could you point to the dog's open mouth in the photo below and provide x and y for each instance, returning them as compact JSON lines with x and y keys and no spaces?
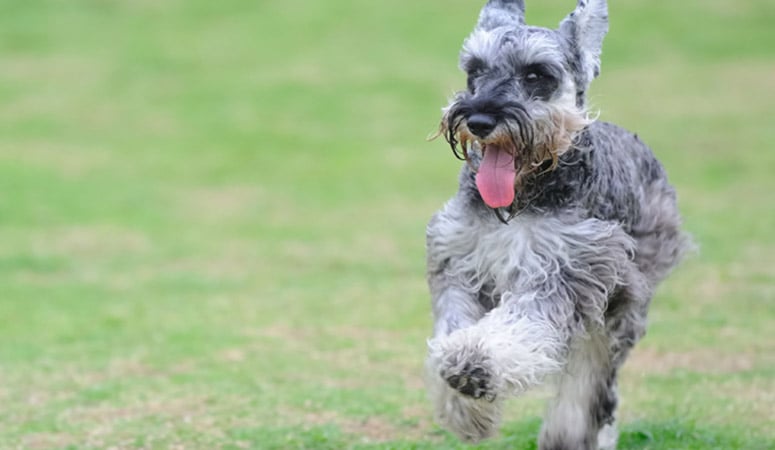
{"x":496,"y":175}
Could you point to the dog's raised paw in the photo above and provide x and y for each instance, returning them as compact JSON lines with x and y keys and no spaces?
{"x":473,"y":381}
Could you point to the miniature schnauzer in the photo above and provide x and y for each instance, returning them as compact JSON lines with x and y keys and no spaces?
{"x":544,"y":263}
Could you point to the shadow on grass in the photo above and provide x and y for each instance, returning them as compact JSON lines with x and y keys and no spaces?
{"x":642,"y":435}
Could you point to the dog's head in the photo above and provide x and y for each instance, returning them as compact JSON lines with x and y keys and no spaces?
{"x":525,"y":99}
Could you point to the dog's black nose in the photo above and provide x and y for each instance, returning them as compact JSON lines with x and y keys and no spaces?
{"x":481,"y":124}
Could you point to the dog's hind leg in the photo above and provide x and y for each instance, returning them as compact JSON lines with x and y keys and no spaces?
{"x":582,"y":414}
{"x":585,"y":400}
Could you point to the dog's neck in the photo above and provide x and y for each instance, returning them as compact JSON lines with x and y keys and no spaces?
{"x":546,"y":188}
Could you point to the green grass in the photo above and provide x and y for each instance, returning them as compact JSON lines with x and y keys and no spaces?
{"x":212,"y":221}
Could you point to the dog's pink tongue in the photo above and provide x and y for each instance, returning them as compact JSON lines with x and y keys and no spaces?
{"x":495,"y":179}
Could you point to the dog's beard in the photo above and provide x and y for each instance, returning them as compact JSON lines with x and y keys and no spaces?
{"x":528,"y":140}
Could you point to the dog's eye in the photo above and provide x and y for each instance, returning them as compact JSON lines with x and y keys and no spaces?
{"x":535,"y":76}
{"x":470,"y":83}
{"x":537,"y":73}
{"x":532,"y":77}
{"x":474,"y":67}
{"x":471,"y":80}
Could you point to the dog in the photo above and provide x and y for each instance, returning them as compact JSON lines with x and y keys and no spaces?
{"x":543,"y":265}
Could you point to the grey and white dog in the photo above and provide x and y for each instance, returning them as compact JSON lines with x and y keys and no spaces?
{"x":543,"y":265}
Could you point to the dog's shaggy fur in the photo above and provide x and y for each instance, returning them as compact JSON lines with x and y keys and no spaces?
{"x":553,"y":273}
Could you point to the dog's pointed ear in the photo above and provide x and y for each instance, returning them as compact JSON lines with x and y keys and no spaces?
{"x":585,"y":29}
{"x":499,"y":13}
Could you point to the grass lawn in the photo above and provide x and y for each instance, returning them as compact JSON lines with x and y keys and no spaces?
{"x":212,"y":220}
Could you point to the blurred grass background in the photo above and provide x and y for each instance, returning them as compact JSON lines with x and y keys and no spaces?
{"x":212,"y":220}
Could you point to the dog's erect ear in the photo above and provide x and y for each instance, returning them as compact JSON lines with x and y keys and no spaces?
{"x":499,"y":13}
{"x":585,"y":29}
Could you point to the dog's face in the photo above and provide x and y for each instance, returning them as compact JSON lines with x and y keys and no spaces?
{"x":525,"y":95}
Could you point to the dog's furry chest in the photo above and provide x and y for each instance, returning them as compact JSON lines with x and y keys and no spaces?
{"x":498,"y":259}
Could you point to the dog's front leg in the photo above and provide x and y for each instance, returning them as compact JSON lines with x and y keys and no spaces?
{"x":511,"y":348}
{"x":456,"y":307}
